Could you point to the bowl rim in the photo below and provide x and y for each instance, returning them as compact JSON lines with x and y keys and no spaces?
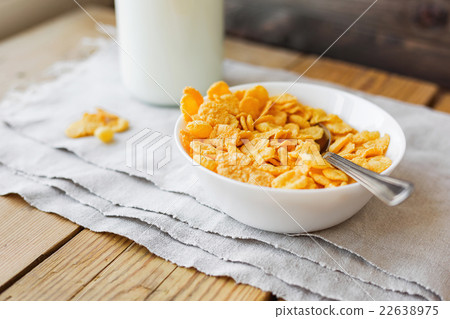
{"x":348,"y":187}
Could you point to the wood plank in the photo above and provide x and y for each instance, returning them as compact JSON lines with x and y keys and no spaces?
{"x":28,"y":236}
{"x":411,"y":39}
{"x":134,"y":275}
{"x":24,"y":57}
{"x":259,"y":54}
{"x":18,"y":15}
{"x":330,"y":70}
{"x":189,"y":284}
{"x":138,"y":275}
{"x":414,"y":21}
{"x":69,"y":269}
{"x":408,"y":90}
{"x":368,"y":80}
{"x":443,"y":103}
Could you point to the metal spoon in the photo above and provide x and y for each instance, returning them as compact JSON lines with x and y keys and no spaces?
{"x":392,"y":191}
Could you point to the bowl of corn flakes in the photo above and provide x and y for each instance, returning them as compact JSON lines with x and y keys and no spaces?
{"x":256,"y":150}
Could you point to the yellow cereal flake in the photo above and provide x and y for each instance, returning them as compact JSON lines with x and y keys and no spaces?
{"x":265,"y":140}
{"x":274,"y":170}
{"x":210,"y":112}
{"x":339,"y":143}
{"x":118,"y":125}
{"x":279,"y":117}
{"x":320,"y":179}
{"x":90,"y":122}
{"x":194,"y":93}
{"x":348,"y":148}
{"x":335,"y":174}
{"x":250,"y":105}
{"x":318,"y":115}
{"x":293,"y":180}
{"x":266,"y":127}
{"x":239,"y":94}
{"x":260,"y":178}
{"x":246,"y":174}
{"x":189,"y":107}
{"x":202,"y":158}
{"x":224,"y":131}
{"x":364,"y":136}
{"x":199,"y":129}
{"x":186,"y":140}
{"x":374,"y":147}
{"x":379,"y":163}
{"x":361,"y":161}
{"x":218,"y":89}
{"x":246,"y":121}
{"x":300,"y":121}
{"x":104,"y":134}
{"x":265,"y":118}
{"x":229,"y":103}
{"x":258,"y":92}
{"x":313,"y":132}
{"x":284,"y":99}
{"x":338,"y":127}
{"x":293,"y":128}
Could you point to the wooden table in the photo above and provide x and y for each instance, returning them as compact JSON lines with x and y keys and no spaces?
{"x":46,"y":257}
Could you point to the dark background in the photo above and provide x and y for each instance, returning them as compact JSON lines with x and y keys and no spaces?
{"x":410,"y":37}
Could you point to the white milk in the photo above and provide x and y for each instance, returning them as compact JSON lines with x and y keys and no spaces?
{"x":178,"y":43}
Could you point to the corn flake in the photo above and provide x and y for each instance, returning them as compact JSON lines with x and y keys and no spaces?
{"x":269,"y":141}
{"x":258,"y":92}
{"x":218,"y":89}
{"x":199,"y":129}
{"x":300,"y":121}
{"x":250,"y":105}
{"x":335,"y":174}
{"x":90,"y":122}
{"x":194,"y":93}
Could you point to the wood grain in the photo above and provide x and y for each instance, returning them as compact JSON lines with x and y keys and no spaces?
{"x":259,"y":54}
{"x":134,"y":275}
{"x":367,"y":79}
{"x":69,"y":269}
{"x":443,"y":103}
{"x":28,"y":236}
{"x":411,"y":39}
{"x":189,"y":284}
{"x":18,"y":15}
{"x":139,"y":275}
{"x":408,"y":90}
{"x":24,"y":57}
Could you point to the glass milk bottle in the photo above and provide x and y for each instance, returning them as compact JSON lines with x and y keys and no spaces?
{"x":166,"y":45}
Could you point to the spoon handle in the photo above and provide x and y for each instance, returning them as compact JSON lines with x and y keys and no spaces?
{"x":390,"y":190}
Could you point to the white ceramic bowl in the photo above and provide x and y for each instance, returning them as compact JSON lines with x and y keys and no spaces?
{"x":275,"y":209}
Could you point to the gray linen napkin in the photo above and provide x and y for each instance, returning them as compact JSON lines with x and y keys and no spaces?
{"x":56,"y":163}
{"x":42,"y":108}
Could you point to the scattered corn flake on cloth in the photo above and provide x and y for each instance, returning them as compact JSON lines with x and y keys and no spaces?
{"x":389,"y":248}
